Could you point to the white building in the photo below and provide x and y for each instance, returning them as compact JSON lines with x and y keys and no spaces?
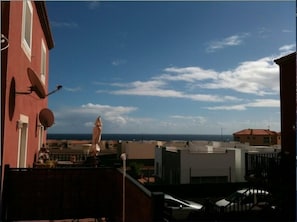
{"x":203,"y":161}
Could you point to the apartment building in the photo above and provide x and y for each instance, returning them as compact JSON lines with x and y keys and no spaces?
{"x":27,"y":38}
{"x":257,"y":137}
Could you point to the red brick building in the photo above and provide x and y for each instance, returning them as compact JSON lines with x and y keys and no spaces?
{"x":257,"y":137}
{"x":26,"y":39}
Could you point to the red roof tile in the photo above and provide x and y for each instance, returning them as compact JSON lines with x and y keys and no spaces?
{"x":255,"y":132}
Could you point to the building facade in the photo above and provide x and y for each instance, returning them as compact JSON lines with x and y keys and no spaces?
{"x":257,"y":137}
{"x":24,"y":80}
{"x":287,"y":66}
{"x":181,"y":166}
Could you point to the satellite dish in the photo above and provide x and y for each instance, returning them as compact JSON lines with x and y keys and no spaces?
{"x":46,"y":117}
{"x":37,"y":85}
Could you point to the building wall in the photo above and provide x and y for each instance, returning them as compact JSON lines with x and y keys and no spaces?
{"x":26,"y":107}
{"x":287,"y":66}
{"x":158,"y":162}
{"x":171,"y":166}
{"x":257,"y":140}
{"x":224,"y":163}
{"x":207,"y":165}
{"x":139,"y":150}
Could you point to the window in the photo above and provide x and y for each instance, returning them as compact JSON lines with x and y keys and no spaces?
{"x":27,"y":27}
{"x":40,"y":136}
{"x":266,"y":140}
{"x":43,"y":62}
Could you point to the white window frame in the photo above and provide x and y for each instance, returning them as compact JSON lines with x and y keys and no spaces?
{"x":43,"y":66}
{"x":27,"y":11}
{"x":23,"y":140}
{"x":40,"y":136}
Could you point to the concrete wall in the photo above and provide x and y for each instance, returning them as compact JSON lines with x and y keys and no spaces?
{"x":206,"y":159}
{"x":207,"y":164}
{"x":158,"y":162}
{"x":139,"y":150}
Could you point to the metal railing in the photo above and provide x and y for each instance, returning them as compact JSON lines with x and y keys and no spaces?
{"x":261,"y":165}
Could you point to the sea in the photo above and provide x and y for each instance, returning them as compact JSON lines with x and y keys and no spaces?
{"x":141,"y":137}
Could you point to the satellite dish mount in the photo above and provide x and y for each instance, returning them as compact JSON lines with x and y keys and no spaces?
{"x":37,"y":86}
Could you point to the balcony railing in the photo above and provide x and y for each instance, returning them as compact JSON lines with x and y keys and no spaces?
{"x":74,"y":193}
{"x":261,"y":165}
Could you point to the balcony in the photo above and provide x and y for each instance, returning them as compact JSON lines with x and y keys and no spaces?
{"x":63,"y":193}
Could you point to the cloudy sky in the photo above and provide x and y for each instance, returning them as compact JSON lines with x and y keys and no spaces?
{"x":167,"y":67}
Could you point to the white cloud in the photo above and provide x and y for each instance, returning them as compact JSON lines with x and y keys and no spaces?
{"x":76,"y":89}
{"x":156,"y":88}
{"x":264,"y":103}
{"x":287,"y":30}
{"x":233,"y":40}
{"x":286,"y":49}
{"x":260,"y":77}
{"x":81,"y":119}
{"x":188,"y":74}
{"x":118,"y":62}
{"x":194,"y":119}
{"x":106,"y":110}
{"x":257,"y":103}
{"x":257,"y":77}
{"x":93,"y":4}
{"x":64,"y":24}
{"x":263,"y":32}
{"x":228,"y":107}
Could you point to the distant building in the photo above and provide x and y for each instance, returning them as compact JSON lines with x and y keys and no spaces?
{"x":180,"y":166}
{"x":142,"y":152}
{"x":26,"y":39}
{"x":257,"y":137}
{"x":139,"y":150}
{"x":205,"y":162}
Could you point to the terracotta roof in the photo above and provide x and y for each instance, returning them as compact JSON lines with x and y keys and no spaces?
{"x":255,"y":132}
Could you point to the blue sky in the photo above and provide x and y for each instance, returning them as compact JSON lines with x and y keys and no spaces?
{"x":168,"y":67}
